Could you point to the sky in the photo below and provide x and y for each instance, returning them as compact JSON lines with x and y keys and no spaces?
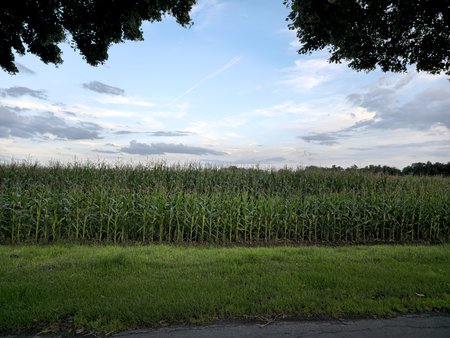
{"x":230,"y":90}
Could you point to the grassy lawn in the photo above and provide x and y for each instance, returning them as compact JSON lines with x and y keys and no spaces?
{"x":109,"y":288}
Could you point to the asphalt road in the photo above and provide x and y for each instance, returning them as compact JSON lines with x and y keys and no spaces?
{"x":411,"y":326}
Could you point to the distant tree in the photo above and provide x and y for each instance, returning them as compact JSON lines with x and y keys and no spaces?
{"x":91,"y":26}
{"x":354,"y":167}
{"x":337,"y":168}
{"x":427,"y":169}
{"x":390,"y":34}
{"x":313,"y":168}
{"x":378,"y":169}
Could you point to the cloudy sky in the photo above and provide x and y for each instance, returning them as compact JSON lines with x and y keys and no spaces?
{"x":230,"y":90}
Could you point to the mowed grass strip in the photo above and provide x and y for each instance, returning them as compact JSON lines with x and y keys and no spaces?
{"x":110,"y":288}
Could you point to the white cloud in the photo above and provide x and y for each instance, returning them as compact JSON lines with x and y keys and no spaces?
{"x":24,"y":70}
{"x":103,"y":88}
{"x":295,"y":44}
{"x":307,"y":74}
{"x":404,"y":103}
{"x":151,"y":123}
{"x":79,"y":109}
{"x":124,"y":100}
{"x":283,"y":109}
{"x":85,"y":110}
{"x":232,"y":134}
{"x":30,"y":104}
{"x":137,"y":148}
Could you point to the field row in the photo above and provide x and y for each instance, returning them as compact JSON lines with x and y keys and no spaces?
{"x":405,"y":209}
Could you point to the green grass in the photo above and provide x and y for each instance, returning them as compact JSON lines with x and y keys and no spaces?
{"x":109,"y":288}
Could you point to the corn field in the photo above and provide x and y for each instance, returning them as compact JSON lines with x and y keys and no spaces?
{"x":161,"y":203}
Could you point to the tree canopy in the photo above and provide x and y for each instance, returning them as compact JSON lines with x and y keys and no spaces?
{"x":91,"y":26}
{"x":391,"y":34}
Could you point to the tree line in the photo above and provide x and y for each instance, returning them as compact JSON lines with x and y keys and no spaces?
{"x":416,"y":169}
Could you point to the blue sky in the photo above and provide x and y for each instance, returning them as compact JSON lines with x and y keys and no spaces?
{"x":229,"y":90}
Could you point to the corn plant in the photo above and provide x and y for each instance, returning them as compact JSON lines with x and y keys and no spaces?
{"x":160,"y":203}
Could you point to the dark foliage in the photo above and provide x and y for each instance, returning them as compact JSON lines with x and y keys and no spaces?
{"x":378,"y":169}
{"x":37,"y":27}
{"x":427,"y":169}
{"x":416,"y":169}
{"x":390,"y":34}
